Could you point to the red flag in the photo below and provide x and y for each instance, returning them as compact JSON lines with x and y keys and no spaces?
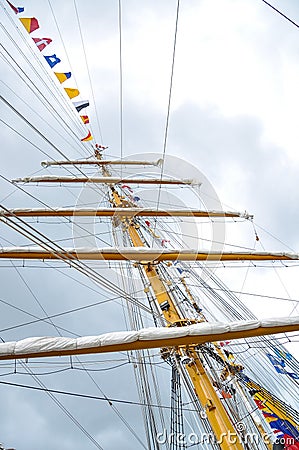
{"x":42,"y":43}
{"x":259,"y":403}
{"x":124,"y":186}
{"x":85,"y":119}
{"x":88,"y":137}
{"x":30,"y":23}
{"x":225,"y":394}
{"x":223,"y":344}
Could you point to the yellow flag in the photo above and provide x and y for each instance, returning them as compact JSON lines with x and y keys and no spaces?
{"x":30,"y":23}
{"x":72,"y":92}
{"x":63,"y":76}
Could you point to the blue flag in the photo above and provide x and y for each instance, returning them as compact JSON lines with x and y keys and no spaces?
{"x":293,"y":375}
{"x":285,"y":426}
{"x":279,"y":366}
{"x":16,"y":9}
{"x":52,"y":60}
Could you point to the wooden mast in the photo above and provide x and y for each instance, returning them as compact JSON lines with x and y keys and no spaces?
{"x":144,"y":255}
{"x":108,"y":212}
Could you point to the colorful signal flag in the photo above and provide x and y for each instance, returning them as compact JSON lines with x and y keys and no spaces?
{"x":71,"y":92}
{"x":52,"y":60}
{"x":85,"y":119}
{"x":81,"y":105}
{"x":42,"y":43}
{"x":16,"y":9}
{"x":87,"y":138}
{"x":30,"y":23}
{"x":63,"y":76}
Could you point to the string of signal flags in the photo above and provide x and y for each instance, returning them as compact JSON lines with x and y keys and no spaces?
{"x":31,"y":24}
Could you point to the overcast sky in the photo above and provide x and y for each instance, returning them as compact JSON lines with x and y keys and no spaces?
{"x":233,"y":116}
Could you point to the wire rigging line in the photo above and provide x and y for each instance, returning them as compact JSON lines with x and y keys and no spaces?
{"x":114,"y":408}
{"x":96,"y":189}
{"x":90,"y":376}
{"x":59,"y":119}
{"x":88,"y":71}
{"x":279,"y":12}
{"x":62,"y":41}
{"x":274,"y":237}
{"x":143,"y":374}
{"x":270,"y":297}
{"x":88,"y":396}
{"x":55,"y":249}
{"x":50,"y":86}
{"x":170,"y":87}
{"x":48,"y":319}
{"x":27,"y":140}
{"x":32,"y":126}
{"x":81,"y":267}
{"x":85,"y":269}
{"x":169,"y":102}
{"x":38,"y":319}
{"x":43,"y":99}
{"x":83,"y":367}
{"x":61,"y":406}
{"x":120,"y":79}
{"x":281,"y":282}
{"x":164,"y":152}
{"x":176,"y":418}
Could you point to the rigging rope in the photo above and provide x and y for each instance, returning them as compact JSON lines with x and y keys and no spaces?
{"x":50,"y":393}
{"x":120,"y":79}
{"x":283,"y":15}
{"x":176,"y":418}
{"x":88,"y":71}
{"x":169,"y":103}
{"x":56,"y":250}
{"x":51,"y":87}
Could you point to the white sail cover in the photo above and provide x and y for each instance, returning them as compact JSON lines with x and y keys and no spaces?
{"x":54,"y":344}
{"x":111,"y":180}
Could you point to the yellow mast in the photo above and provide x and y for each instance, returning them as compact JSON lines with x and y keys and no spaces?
{"x":216,"y":414}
